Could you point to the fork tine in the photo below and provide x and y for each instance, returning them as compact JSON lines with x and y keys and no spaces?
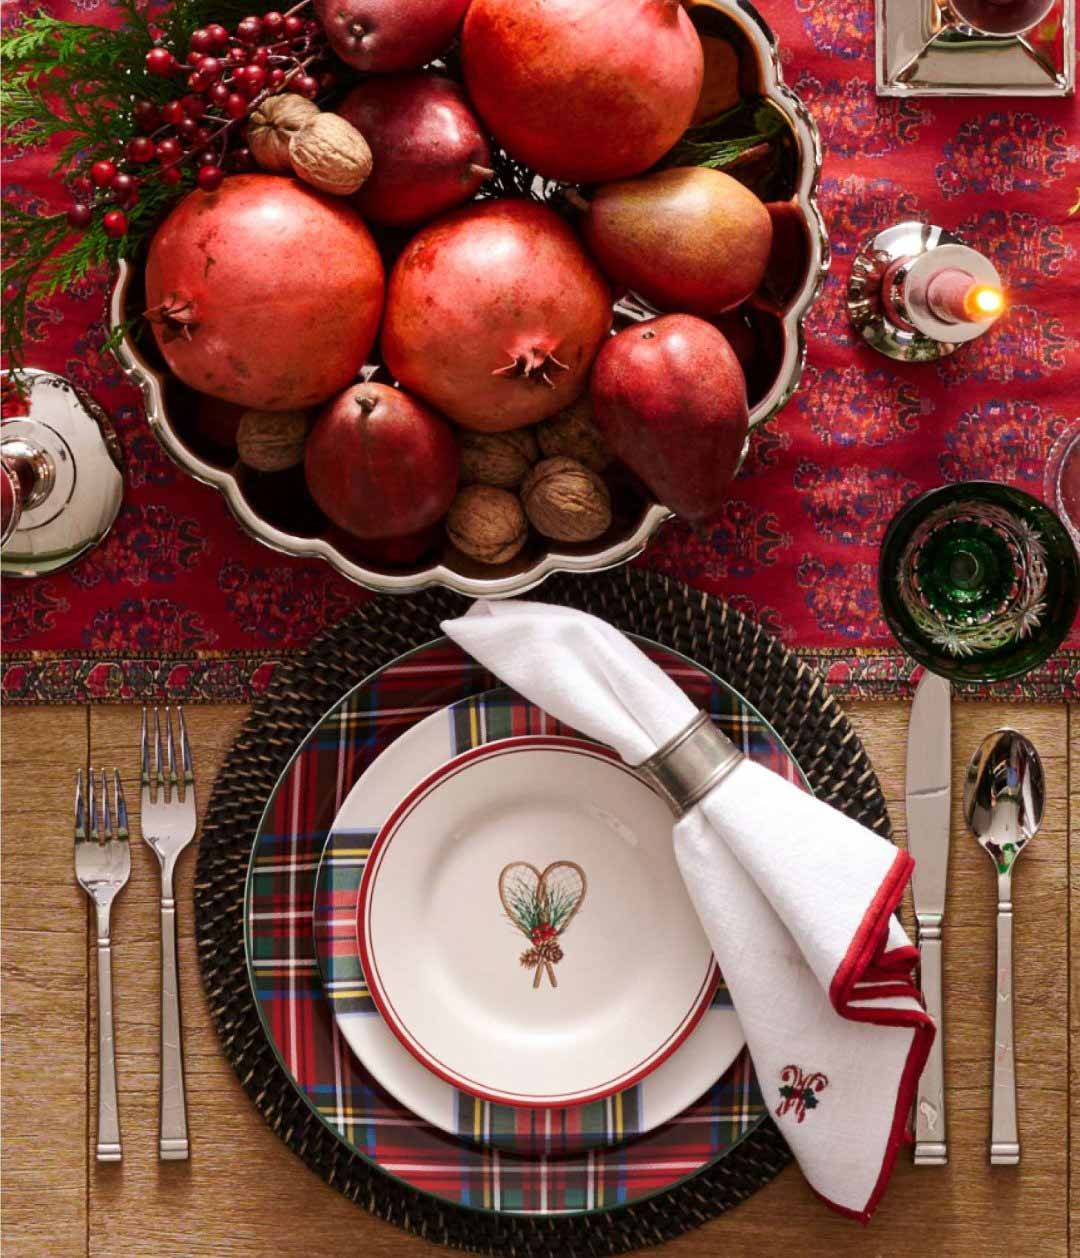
{"x":80,"y":807}
{"x":185,"y":748}
{"x":94,"y":828}
{"x":121,"y":807}
{"x":173,"y":788}
{"x":144,"y":754}
{"x":106,"y":811}
{"x":159,"y":758}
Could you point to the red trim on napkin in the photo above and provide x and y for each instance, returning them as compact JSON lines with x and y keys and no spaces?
{"x":865,"y":966}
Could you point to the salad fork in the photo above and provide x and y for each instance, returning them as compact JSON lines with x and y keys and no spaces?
{"x":168,"y":826}
{"x":102,"y":868}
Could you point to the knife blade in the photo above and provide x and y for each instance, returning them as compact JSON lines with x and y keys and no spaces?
{"x":928,"y":800}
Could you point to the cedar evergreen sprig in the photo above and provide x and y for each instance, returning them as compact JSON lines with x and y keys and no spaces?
{"x":722,"y":141}
{"x":80,"y":81}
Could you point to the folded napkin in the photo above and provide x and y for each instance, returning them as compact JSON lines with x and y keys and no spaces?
{"x":796,"y":899}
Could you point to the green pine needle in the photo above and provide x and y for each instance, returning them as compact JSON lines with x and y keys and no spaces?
{"x":720,"y":142}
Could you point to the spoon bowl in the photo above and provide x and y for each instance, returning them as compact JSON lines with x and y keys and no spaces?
{"x":1004,"y":795}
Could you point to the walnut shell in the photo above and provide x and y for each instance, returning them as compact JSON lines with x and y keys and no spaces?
{"x":273,"y":124}
{"x":487,"y":524}
{"x":330,"y":154}
{"x":271,"y":441}
{"x":502,"y":459}
{"x":573,"y":434}
{"x":566,"y":501}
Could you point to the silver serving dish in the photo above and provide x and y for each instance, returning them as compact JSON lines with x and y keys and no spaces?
{"x":165,"y":403}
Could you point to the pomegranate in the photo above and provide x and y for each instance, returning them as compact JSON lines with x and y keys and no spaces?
{"x":494,"y":314}
{"x":429,"y":153}
{"x":670,"y":399}
{"x":383,"y":35}
{"x":583,"y":91}
{"x":381,"y":464}
{"x":264,"y":293}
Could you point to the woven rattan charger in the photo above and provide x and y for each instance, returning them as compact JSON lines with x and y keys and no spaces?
{"x":790,"y":696}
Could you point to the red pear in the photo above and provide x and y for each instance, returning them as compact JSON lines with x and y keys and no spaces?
{"x":379,"y":463}
{"x":380,"y":36}
{"x":670,"y":400}
{"x":428,"y":151}
{"x":686,"y":238}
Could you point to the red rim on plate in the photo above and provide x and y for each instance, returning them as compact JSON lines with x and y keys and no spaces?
{"x":627,"y":1075}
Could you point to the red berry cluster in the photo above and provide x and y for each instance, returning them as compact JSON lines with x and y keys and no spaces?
{"x":542,"y":933}
{"x":226,"y":75}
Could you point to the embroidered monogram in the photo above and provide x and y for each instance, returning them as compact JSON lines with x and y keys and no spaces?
{"x":799,"y":1091}
{"x":541,"y":906}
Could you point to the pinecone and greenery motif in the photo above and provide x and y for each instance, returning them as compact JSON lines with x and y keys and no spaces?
{"x":541,"y":906}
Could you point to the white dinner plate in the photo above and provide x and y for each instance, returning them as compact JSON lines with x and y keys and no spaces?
{"x":524,"y":928}
{"x":673,"y":1086}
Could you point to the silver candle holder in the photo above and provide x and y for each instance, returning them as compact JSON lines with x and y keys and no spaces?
{"x":60,"y":476}
{"x":917,"y":292}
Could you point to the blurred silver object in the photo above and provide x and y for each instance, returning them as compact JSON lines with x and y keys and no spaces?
{"x":168,"y":824}
{"x":928,"y":795}
{"x":934,"y":48}
{"x":61,"y":483}
{"x":102,"y":868}
{"x":1004,"y":795}
{"x":886,"y":293}
{"x":523,"y":574}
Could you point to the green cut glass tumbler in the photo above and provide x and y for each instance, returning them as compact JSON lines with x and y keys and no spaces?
{"x":978,"y":581}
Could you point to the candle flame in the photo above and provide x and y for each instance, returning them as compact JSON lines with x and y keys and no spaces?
{"x":984,"y":302}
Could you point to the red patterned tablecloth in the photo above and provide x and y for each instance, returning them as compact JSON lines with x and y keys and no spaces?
{"x":179,"y":602}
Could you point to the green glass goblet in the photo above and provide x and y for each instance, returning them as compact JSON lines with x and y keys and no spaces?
{"x":978,"y":581}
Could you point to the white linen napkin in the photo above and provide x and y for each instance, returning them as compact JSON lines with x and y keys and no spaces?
{"x":796,"y":899}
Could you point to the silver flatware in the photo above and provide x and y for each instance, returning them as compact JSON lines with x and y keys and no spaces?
{"x":102,"y":868}
{"x":1004,"y":795}
{"x":928,"y":798}
{"x":168,"y":826}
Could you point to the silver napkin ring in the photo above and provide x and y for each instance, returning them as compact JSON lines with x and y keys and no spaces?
{"x":688,"y":766}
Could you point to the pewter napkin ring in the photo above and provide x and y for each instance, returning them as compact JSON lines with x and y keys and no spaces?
{"x":688,"y":766}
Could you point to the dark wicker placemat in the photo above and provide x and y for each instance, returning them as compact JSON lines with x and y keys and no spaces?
{"x":791,"y":697}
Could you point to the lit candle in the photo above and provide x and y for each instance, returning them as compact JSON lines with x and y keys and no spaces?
{"x":916,"y":292}
{"x":955,"y":296}
{"x":951,"y":293}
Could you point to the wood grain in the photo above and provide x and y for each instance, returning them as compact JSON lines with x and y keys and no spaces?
{"x":243,"y":1192}
{"x":44,"y":1027}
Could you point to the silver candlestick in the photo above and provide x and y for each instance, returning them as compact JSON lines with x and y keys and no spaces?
{"x":917,"y":292}
{"x":60,"y":475}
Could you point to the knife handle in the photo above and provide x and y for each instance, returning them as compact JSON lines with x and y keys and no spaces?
{"x":1004,"y":1136}
{"x":930,"y":1140}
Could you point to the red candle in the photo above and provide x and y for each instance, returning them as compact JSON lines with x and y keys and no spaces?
{"x":954,"y":296}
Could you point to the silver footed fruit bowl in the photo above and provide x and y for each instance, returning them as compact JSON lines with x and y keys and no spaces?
{"x":276,"y":509}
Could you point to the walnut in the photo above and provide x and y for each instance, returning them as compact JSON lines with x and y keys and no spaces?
{"x":271,"y":441}
{"x":487,"y":524}
{"x":566,"y":501}
{"x":573,"y":433}
{"x":498,"y":458}
{"x":330,"y":154}
{"x":273,"y":124}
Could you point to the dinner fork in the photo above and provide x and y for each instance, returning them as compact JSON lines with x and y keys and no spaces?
{"x":102,"y":868}
{"x":168,"y":826}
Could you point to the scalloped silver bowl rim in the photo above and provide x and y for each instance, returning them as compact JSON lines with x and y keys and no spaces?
{"x":151,"y":384}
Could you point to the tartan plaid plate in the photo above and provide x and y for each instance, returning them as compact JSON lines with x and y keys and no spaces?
{"x":298,"y":1019}
{"x":662,"y":1094}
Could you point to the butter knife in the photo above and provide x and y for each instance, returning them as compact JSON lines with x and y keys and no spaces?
{"x":928,"y":798}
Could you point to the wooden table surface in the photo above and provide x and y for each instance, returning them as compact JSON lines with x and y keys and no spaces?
{"x":244,"y":1193}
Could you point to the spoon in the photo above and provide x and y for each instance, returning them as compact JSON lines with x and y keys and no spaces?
{"x":1004,"y":795}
